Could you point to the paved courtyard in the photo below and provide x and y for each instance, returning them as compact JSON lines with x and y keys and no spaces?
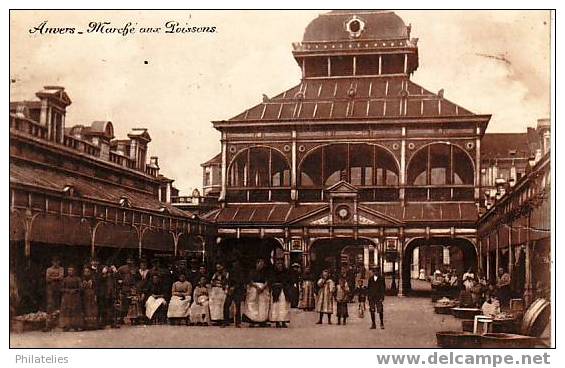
{"x":409,"y":321}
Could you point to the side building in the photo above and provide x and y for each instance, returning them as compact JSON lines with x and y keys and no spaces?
{"x":76,"y":192}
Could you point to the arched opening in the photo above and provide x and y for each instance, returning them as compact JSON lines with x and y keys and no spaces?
{"x":343,"y":256}
{"x":259,"y":174}
{"x":440,"y":171}
{"x":369,"y":167}
{"x":422,"y":257}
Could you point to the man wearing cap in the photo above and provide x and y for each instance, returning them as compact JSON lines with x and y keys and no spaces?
{"x":126,"y":282}
{"x":376,"y":295}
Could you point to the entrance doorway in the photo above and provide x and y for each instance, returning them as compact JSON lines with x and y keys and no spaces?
{"x":343,"y":255}
{"x":433,"y":254}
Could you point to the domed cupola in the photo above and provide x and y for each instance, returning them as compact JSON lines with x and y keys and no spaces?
{"x":347,"y":43}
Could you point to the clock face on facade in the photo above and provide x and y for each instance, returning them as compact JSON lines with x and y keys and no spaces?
{"x":343,"y":213}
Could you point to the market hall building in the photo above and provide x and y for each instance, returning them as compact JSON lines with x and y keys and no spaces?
{"x":356,"y":161}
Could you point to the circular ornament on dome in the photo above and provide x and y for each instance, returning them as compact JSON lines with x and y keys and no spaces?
{"x":286,"y":148}
{"x":232,"y":149}
{"x":355,"y":26}
{"x":411,"y":146}
{"x":301,"y":148}
{"x":395,"y":146}
{"x":470,"y":145}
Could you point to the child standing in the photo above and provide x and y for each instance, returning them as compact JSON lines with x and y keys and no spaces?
{"x":341,"y":297}
{"x":361,"y":298}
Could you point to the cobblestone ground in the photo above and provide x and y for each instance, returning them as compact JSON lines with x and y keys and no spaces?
{"x":409,"y":322}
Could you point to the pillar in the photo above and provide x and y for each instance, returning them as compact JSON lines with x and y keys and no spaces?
{"x":488,"y":258}
{"x":478,"y":165}
{"x":401,"y":281}
{"x":366,"y":257}
{"x":528,"y":289}
{"x":293,"y":191}
{"x":224,"y":168}
{"x":497,"y":255}
{"x":402,"y":164}
{"x":510,"y":250}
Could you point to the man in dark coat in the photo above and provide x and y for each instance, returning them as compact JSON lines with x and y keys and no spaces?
{"x":376,"y":295}
{"x":235,"y":294}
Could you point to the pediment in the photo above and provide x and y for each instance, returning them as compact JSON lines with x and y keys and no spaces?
{"x":342,"y":187}
{"x":365,"y":217}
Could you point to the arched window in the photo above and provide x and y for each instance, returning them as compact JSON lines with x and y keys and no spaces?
{"x":363,"y":165}
{"x":256,"y":172}
{"x":440,"y":165}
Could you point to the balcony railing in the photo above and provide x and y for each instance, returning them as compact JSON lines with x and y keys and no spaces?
{"x":29,"y":127}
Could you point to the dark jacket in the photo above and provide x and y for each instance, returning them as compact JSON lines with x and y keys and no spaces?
{"x":376,"y":289}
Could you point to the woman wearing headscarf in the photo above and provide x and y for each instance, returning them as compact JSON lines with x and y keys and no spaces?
{"x":258,"y":295}
{"x":179,"y":306}
{"x":280,"y":282}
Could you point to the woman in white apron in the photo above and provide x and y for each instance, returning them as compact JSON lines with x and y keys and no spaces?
{"x":218,"y":292}
{"x":280,"y":296}
{"x":156,"y":303}
{"x":258,"y":297}
{"x":179,"y":306}
{"x":200,"y":308}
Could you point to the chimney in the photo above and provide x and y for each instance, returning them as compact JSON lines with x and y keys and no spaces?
{"x":154,"y":161}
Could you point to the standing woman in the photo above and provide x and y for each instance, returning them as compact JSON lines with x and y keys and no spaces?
{"x":179,"y":306}
{"x":89,"y":299}
{"x":307,"y":301}
{"x":218,"y":293}
{"x":258,"y":296}
{"x":200,"y":310}
{"x":71,"y":306}
{"x":280,"y":295}
{"x":325,"y":299}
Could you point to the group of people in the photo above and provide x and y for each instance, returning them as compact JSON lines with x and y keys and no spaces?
{"x":475,"y":291}
{"x":96,"y":296}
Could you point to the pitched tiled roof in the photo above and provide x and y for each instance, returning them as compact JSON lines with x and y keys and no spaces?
{"x":216,"y":160}
{"x":43,"y":178}
{"x":499,"y":145}
{"x":261,"y":213}
{"x":354,"y":98}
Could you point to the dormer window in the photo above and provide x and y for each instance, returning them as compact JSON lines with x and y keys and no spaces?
{"x":124,"y":202}
{"x":69,"y":190}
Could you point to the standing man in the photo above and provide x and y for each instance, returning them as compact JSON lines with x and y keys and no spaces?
{"x":325,"y":299}
{"x":235,"y":294}
{"x":376,"y":295}
{"x":54,"y":278}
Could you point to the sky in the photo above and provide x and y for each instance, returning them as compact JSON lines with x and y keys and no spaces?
{"x":490,"y":62}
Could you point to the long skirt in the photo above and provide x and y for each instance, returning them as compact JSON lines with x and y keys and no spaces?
{"x":90,"y":309}
{"x":257,"y":304}
{"x":342,"y":310}
{"x":279,"y":311}
{"x":71,"y":311}
{"x":152,"y":304}
{"x":53,"y":297}
{"x":217,"y":299}
{"x":178,"y":308}
{"x":200,"y":313}
{"x":307,"y":301}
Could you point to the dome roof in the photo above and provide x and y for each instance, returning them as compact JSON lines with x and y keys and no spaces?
{"x":341,"y":25}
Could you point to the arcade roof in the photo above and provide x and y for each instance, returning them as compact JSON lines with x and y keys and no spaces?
{"x":48,"y":179}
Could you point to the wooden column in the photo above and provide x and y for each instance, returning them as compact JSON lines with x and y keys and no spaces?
{"x":293,"y":174}
{"x":224,"y":168}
